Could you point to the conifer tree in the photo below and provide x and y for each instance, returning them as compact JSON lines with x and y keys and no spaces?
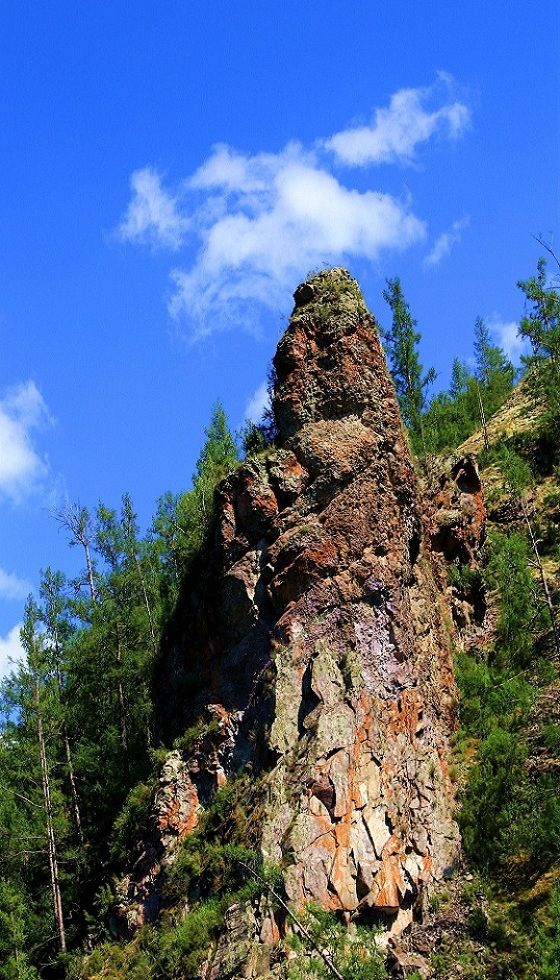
{"x":401,"y":346}
{"x":165,"y":541}
{"x":517,"y":475}
{"x":137,"y":561}
{"x":14,"y":936}
{"x":195,"y":509}
{"x":494,"y":374}
{"x":41,"y":693}
{"x":78,"y":522}
{"x":58,"y":631}
{"x":541,"y":326}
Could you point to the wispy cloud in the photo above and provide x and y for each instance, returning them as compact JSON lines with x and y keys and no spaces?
{"x":259,"y":219}
{"x":152,"y":217}
{"x":265,"y":219}
{"x":443,"y":245}
{"x":258,"y":403}
{"x":396,"y":131}
{"x":507,"y":336}
{"x":22,"y":410}
{"x":11,"y":651}
{"x":12,"y":587}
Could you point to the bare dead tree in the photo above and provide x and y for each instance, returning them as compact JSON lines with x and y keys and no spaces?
{"x":77,"y":521}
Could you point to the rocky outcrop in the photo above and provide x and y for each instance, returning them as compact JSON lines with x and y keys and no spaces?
{"x":455,"y":520}
{"x":317,"y":623}
{"x":188,"y":780}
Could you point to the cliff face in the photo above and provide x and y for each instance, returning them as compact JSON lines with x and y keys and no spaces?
{"x":320,"y":641}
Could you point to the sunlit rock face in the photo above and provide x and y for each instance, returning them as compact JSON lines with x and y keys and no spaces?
{"x":317,"y":627}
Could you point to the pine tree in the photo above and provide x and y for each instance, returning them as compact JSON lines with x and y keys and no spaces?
{"x":14,"y":936}
{"x":218,"y":457}
{"x":401,"y":346}
{"x":517,"y":475}
{"x":495,"y":374}
{"x":195,"y":509}
{"x":541,"y":326}
{"x":58,"y":631}
{"x":78,"y":522}
{"x":138,"y":563}
{"x":41,"y":694}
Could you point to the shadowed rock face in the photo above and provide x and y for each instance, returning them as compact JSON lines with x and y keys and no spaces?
{"x":318,"y":626}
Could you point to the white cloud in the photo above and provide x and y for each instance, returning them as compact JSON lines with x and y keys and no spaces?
{"x":262,"y":220}
{"x":258,"y":403}
{"x":11,"y":651}
{"x":268,"y":218}
{"x":152,"y":216}
{"x":12,"y":587}
{"x":507,"y":336}
{"x":443,"y":245}
{"x":396,"y":131}
{"x":21,"y":411}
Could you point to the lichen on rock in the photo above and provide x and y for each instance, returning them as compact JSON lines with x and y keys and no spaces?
{"x":318,"y":624}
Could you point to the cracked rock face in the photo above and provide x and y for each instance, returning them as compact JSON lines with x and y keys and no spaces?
{"x":318,"y":622}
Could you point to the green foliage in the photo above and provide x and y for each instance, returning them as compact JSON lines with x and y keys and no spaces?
{"x":491,"y":696}
{"x":253,"y":439}
{"x":130,"y":824}
{"x":356,"y":955}
{"x":256,"y":437}
{"x":141,"y":959}
{"x":196,"y":733}
{"x":515,"y":471}
{"x":77,"y":714}
{"x":184,"y":948}
{"x":490,"y":808}
{"x":452,"y":414}
{"x":548,"y":940}
{"x":464,"y":577}
{"x":551,"y":737}
{"x":510,"y":810}
{"x":14,"y":936}
{"x":521,"y":616}
{"x":208,"y":860}
{"x":209,"y":875}
{"x":472,"y":398}
{"x":184,"y":522}
{"x":541,"y":326}
{"x":494,"y":374}
{"x":401,"y":346}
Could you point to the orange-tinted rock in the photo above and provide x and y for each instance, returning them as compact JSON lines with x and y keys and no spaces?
{"x":317,"y":622}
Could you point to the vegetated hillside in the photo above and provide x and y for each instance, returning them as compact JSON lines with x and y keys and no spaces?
{"x":239,"y":743}
{"x":323,"y":667}
{"x":499,"y":915}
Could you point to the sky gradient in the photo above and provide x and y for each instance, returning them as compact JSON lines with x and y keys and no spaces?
{"x":170,"y":173}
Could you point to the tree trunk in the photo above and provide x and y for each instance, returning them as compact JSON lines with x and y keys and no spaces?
{"x":75,"y":805}
{"x":482,"y":419}
{"x":542,"y":573}
{"x":142,"y":581}
{"x":120,"y":695}
{"x":51,"y":839}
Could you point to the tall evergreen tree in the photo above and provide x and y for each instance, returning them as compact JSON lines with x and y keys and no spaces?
{"x":401,"y":346}
{"x":14,"y":933}
{"x":42,"y":708}
{"x":58,"y":630}
{"x":494,"y":373}
{"x":195,"y":509}
{"x":541,"y":326}
{"x":78,"y":522}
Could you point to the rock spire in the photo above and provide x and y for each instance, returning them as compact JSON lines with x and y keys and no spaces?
{"x":319,"y":636}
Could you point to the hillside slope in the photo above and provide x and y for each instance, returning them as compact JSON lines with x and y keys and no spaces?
{"x":308,"y":681}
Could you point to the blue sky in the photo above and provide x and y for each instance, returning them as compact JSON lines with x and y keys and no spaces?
{"x":170,"y":172}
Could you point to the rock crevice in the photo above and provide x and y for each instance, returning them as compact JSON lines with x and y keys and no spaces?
{"x":319,"y":622}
